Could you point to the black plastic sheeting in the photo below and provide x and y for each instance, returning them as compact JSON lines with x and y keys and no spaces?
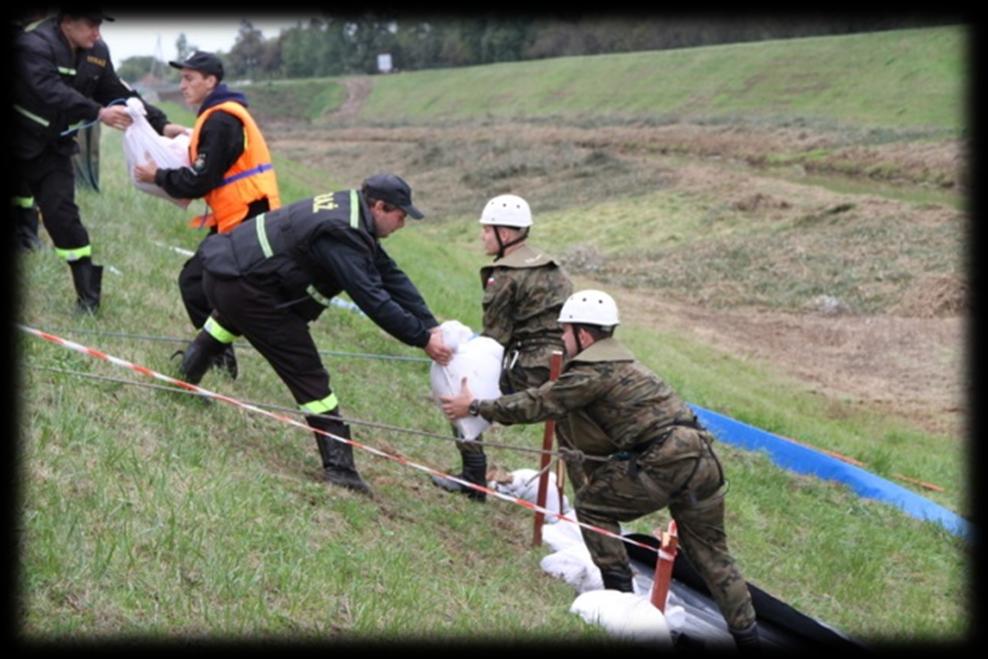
{"x":780,"y":625}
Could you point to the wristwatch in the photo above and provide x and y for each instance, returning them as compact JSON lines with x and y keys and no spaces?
{"x":474,"y":408}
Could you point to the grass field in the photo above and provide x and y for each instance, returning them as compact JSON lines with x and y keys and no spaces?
{"x":151,"y":514}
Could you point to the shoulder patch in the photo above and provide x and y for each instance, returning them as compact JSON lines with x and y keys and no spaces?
{"x":98,"y":61}
{"x":200,"y":163}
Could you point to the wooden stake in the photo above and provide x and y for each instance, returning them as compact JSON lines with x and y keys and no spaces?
{"x":555,"y":366}
{"x":663,"y":566}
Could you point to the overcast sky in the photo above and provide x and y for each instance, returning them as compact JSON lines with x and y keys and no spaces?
{"x":132,"y":35}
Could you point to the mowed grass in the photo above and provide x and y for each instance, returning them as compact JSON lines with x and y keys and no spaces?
{"x":895,"y":78}
{"x":152,"y":514}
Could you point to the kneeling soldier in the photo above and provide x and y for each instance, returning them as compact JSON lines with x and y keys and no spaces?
{"x":608,"y":404}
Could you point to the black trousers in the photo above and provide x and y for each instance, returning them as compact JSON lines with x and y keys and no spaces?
{"x":251,"y":310}
{"x":51,"y":179}
{"x":194,"y":298}
{"x":25,"y":217}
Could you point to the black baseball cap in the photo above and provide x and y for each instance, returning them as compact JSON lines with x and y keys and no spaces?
{"x":203,"y":62}
{"x":94,"y":16}
{"x":392,"y":189}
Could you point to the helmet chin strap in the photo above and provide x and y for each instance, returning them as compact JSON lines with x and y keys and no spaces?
{"x":501,"y":246}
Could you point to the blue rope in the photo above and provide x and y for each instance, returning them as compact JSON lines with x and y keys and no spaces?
{"x":68,"y":131}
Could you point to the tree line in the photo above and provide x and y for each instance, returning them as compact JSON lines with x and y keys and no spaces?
{"x":346,"y":45}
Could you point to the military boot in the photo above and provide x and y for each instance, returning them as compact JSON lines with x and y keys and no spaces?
{"x":617,"y":580}
{"x":88,"y":280}
{"x":198,"y":357}
{"x":747,"y":640}
{"x":474,"y":471}
{"x":337,"y":457}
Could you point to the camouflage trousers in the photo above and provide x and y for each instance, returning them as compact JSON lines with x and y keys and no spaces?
{"x":615,"y":494}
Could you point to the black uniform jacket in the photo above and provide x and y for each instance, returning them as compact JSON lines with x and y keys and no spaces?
{"x":312,"y":250}
{"x":55,"y":89}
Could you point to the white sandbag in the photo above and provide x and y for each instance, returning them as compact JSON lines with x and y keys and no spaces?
{"x":626,"y":616}
{"x":561,"y":536}
{"x":574,"y":566}
{"x":141,"y":143}
{"x":478,"y":358}
{"x":524,"y":484}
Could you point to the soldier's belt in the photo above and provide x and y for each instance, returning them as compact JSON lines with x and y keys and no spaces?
{"x":641,"y":447}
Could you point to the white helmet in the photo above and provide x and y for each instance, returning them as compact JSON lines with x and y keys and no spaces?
{"x":507,"y":210}
{"x":590,"y":307}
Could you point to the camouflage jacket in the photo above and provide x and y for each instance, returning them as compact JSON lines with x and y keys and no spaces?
{"x":604,"y":402}
{"x":523,"y":293}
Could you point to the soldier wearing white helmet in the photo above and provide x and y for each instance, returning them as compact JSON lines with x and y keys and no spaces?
{"x":524,"y":289}
{"x":607,"y":404}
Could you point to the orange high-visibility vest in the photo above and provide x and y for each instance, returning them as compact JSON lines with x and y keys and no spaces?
{"x":249,"y":179}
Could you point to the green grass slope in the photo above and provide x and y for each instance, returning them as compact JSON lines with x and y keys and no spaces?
{"x":898,"y":78}
{"x":145,"y":513}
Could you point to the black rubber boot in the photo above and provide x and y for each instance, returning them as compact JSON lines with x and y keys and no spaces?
{"x":337,"y":457}
{"x":227,"y":361}
{"x":617,"y":581}
{"x":474,"y":471}
{"x":88,"y":280}
{"x":747,"y":640}
{"x":199,"y":356}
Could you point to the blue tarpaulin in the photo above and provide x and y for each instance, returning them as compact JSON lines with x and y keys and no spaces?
{"x":805,"y":460}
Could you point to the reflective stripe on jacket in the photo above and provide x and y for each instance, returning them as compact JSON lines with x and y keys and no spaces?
{"x":249,"y":179}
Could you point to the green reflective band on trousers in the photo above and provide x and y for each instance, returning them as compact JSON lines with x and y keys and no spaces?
{"x":317,"y":296}
{"x":319,"y":406}
{"x":75,"y":254}
{"x":33,"y":117}
{"x":262,"y":236}
{"x":354,"y":210}
{"x":218,"y":332}
{"x":23,"y":202}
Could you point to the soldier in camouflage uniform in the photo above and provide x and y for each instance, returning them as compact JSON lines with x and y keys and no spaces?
{"x":524,"y":288}
{"x":609,"y":405}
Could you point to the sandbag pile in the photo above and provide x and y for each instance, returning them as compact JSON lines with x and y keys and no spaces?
{"x":627,"y":616}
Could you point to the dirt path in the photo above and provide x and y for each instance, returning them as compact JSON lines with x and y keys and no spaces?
{"x":357,"y":91}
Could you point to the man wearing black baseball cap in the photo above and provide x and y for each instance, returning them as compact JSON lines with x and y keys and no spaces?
{"x":64,"y":81}
{"x":231,"y":170}
{"x":275,"y":273}
{"x":394,"y":190}
{"x":205,"y":63}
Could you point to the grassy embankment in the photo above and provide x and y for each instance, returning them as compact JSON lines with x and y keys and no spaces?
{"x":151,"y":514}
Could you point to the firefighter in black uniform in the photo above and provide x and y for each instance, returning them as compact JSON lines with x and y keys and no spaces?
{"x":63,"y":79}
{"x":23,"y":209}
{"x":274,"y":273}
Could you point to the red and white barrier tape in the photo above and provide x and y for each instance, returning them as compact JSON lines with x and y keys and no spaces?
{"x":116,"y":361}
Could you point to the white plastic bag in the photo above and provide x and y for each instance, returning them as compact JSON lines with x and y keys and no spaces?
{"x":573,"y":565}
{"x":524,"y":484}
{"x":477,"y":358}
{"x":624,"y":615}
{"x":141,"y":143}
